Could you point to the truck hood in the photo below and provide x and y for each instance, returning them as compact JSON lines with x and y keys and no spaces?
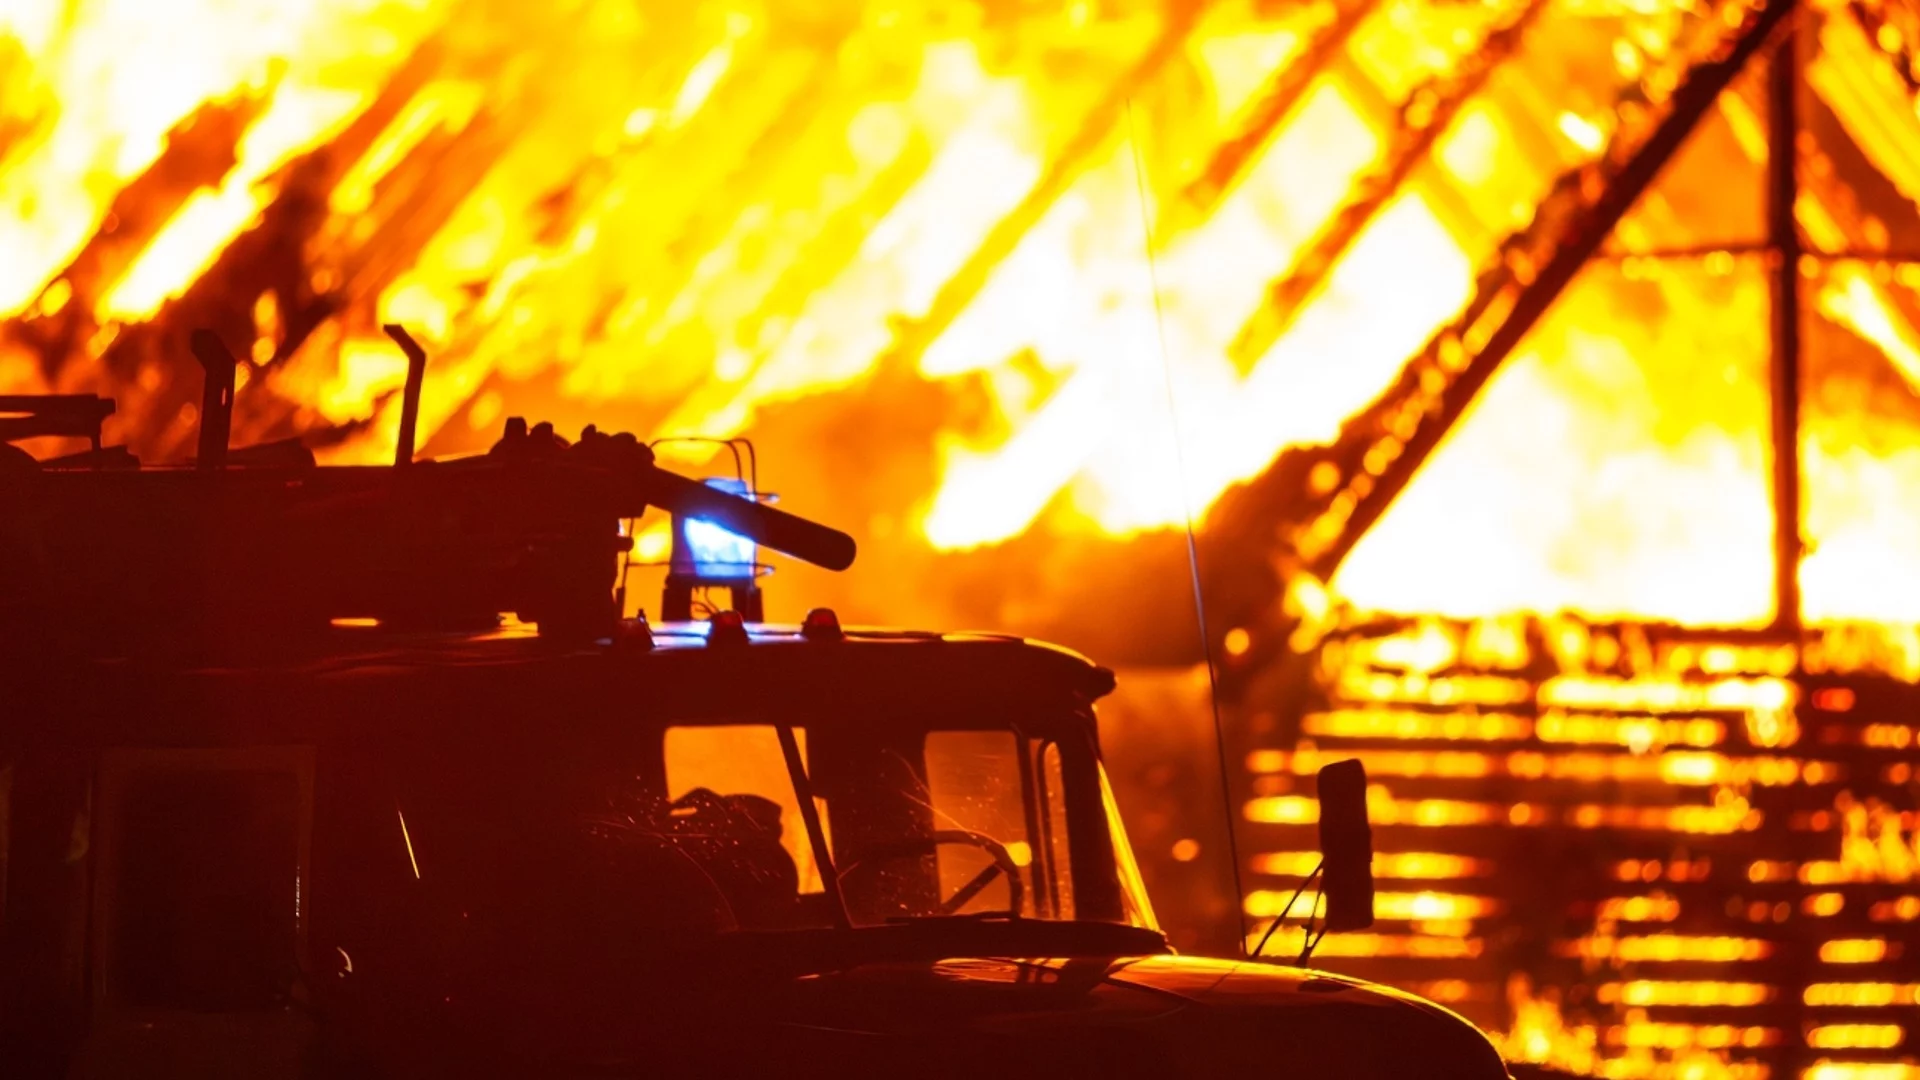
{"x":903,"y":1001}
{"x":1154,"y":1015}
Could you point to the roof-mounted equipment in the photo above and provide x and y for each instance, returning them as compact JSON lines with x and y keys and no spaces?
{"x":259,"y":537}
{"x":707,"y":553}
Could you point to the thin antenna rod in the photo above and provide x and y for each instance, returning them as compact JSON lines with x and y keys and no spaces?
{"x":1282,"y":917}
{"x":1193,"y":546}
{"x":1783,"y":233}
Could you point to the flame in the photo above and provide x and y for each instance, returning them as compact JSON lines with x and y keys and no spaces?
{"x":1878,"y":843}
{"x":1540,"y":1035}
{"x":1669,"y":948}
{"x":108,"y":84}
{"x":1086,"y":268}
{"x":764,"y":215}
{"x":1863,"y":994}
{"x":1651,"y":518}
{"x":1703,"y":746}
{"x":1856,"y":950}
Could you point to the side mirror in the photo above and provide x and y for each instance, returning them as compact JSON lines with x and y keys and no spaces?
{"x":1346,"y":846}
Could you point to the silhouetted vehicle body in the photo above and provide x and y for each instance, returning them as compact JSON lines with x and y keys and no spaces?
{"x":485,"y":854}
{"x":256,"y":821}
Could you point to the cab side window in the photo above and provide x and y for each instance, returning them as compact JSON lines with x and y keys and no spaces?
{"x":6,"y":833}
{"x":742,"y":765}
{"x":200,"y":889}
{"x":1053,"y":846}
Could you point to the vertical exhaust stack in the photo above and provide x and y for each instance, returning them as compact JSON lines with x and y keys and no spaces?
{"x":410,"y":397}
{"x":216,"y":399}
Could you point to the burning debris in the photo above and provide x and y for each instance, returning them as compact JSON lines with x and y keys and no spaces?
{"x":786,"y":202}
{"x":1707,"y":848}
{"x":1483,"y":310}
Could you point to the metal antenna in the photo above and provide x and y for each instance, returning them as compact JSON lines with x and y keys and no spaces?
{"x":1193,"y":546}
{"x":1282,"y":917}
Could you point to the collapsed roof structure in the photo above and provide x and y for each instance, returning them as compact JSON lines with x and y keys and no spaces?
{"x":1703,"y":839}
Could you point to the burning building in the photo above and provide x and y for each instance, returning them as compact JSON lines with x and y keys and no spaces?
{"x":1538,"y":376}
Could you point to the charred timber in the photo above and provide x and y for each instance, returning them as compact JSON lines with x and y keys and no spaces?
{"x":1282,"y":95}
{"x":270,"y":256}
{"x":198,"y":154}
{"x":1312,"y":506}
{"x":1783,"y":234}
{"x":1427,"y":113}
{"x":1094,"y":131}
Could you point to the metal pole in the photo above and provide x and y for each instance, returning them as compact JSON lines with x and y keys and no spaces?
{"x":410,"y":397}
{"x":1783,"y":235}
{"x":810,"y":817}
{"x":216,"y":397}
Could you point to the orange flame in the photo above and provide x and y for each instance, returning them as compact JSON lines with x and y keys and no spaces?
{"x":684,"y":244}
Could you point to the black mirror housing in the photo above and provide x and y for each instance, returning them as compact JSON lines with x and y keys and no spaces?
{"x":1346,"y":846}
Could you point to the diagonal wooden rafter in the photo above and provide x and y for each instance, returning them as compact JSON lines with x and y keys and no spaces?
{"x":1100,"y":123}
{"x":1196,"y":200}
{"x":1427,"y":113}
{"x":1527,"y":294}
{"x":1316,"y":503}
{"x":1891,"y":26}
{"x":1277,"y":102}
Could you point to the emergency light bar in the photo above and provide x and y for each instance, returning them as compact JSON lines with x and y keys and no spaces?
{"x":709,"y":552}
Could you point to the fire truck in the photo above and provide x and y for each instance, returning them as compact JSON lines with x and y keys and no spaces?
{"x":360,"y":771}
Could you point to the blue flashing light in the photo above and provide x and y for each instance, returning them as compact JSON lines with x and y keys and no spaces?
{"x":710,"y":553}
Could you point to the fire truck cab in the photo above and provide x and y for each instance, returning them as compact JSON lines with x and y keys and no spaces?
{"x":478,"y":854}
{"x":259,"y":818}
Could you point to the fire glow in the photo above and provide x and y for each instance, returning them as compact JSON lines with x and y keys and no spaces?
{"x":1218,"y":233}
{"x":950,"y":201}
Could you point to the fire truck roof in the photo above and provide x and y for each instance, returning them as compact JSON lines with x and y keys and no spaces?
{"x":783,"y":654}
{"x":360,"y":675}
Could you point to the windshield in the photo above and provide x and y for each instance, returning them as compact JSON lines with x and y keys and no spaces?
{"x":699,"y":827}
{"x":950,"y":823}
